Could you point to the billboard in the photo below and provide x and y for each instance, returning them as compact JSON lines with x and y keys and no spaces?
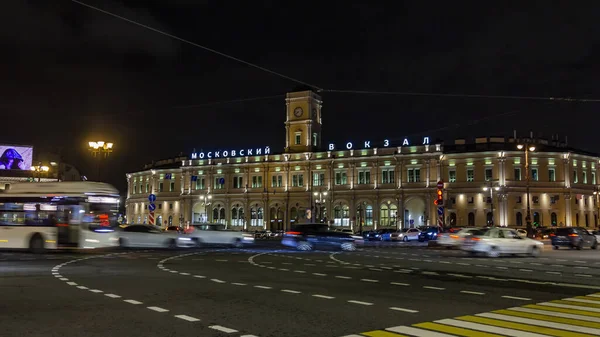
{"x":15,"y":157}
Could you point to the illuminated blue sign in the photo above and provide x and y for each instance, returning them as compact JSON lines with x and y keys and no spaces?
{"x":232,"y":153}
{"x":386,"y":143}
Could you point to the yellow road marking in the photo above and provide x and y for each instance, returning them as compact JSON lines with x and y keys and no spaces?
{"x":548,"y":318}
{"x":454,"y":330}
{"x":381,"y":333}
{"x":563,"y":310}
{"x":581,"y":304}
{"x":522,"y":327}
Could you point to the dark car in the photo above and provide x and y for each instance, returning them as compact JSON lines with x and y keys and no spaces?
{"x":378,"y":235}
{"x":429,"y":233}
{"x":309,"y":236}
{"x":573,"y":237}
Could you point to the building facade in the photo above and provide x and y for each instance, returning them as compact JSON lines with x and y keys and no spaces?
{"x":370,"y":185}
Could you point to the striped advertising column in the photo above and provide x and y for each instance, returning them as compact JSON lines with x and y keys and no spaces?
{"x":151,"y":208}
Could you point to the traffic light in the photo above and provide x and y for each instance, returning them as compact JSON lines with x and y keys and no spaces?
{"x":440,"y":198}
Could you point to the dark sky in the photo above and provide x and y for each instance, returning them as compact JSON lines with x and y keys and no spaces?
{"x":71,"y":74}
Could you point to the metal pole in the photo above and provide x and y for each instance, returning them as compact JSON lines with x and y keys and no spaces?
{"x":528,"y":218}
{"x":492,"y":203}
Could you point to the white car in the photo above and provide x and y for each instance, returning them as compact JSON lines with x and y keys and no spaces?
{"x":405,"y":234}
{"x":455,"y":240}
{"x":498,"y":241}
{"x":146,"y":236}
{"x":217,"y":234}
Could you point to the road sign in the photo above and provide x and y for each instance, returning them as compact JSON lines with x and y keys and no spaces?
{"x":152,"y":198}
{"x":440,"y":210}
{"x":440,"y":185}
{"x":152,"y":207}
{"x":221,"y":181}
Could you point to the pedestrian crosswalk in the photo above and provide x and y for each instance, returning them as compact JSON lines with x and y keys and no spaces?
{"x":570,"y":317}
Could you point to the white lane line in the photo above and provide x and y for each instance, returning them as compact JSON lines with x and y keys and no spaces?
{"x":222,"y":329}
{"x":463,"y":264}
{"x":112,"y":295}
{"x":487,"y":328}
{"x":400,"y":284}
{"x":132,"y":301}
{"x":310,"y":264}
{"x":429,"y":273}
{"x":187,"y":318}
{"x":173,"y":271}
{"x":96,"y":291}
{"x":238,"y":284}
{"x":158,"y":309}
{"x":284,"y":269}
{"x":404,"y":310}
{"x":185,"y":274}
{"x":319,"y":274}
{"x":323,"y":296}
{"x":535,"y":264}
{"x":471,"y":292}
{"x":299,"y":271}
{"x":82,"y":287}
{"x":217,"y":280}
{"x":433,"y":288}
{"x":344,"y":277}
{"x":581,"y":267}
{"x":501,"y":268}
{"x":368,"y":280}
{"x":199,"y":276}
{"x":375,"y":269}
{"x":526,"y":270}
{"x":583,"y":275}
{"x":263,"y":287}
{"x":290,"y":291}
{"x":72,"y":283}
{"x":553,"y":272}
{"x":63,"y":279}
{"x":460,"y":275}
{"x":517,"y":298}
{"x":360,"y":302}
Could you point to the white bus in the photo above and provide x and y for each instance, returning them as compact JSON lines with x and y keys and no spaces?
{"x":58,"y":215}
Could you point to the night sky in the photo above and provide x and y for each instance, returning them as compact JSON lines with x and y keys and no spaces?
{"x":71,"y":74}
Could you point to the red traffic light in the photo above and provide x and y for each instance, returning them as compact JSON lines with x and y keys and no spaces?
{"x":435,"y":202}
{"x":439,"y":193}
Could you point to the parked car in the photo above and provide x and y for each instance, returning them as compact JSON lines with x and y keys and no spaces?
{"x":494,"y":242}
{"x":217,"y":234}
{"x":310,"y":236}
{"x":573,"y":237}
{"x":147,"y":236}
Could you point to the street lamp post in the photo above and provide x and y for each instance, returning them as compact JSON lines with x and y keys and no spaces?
{"x":491,"y":189}
{"x":319,"y":201}
{"x":39,"y":168}
{"x":206,"y":201}
{"x":100,"y":149}
{"x":527,"y":149}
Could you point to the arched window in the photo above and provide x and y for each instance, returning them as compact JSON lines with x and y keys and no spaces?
{"x":553,"y":219}
{"x":393,"y":215}
{"x":215,"y":215}
{"x":260,"y":215}
{"x":159,"y":220}
{"x":471,"y":219}
{"x":222,"y":215}
{"x":337,"y":215}
{"x":237,"y":216}
{"x":384,"y":216}
{"x":254,"y":216}
{"x":241,"y":217}
{"x":170,"y":220}
{"x":369,"y":216}
{"x":452,"y":219}
{"x":489,"y":218}
{"x":519,"y":219}
{"x":234,"y":216}
{"x":345,"y":216}
{"x":536,"y":219}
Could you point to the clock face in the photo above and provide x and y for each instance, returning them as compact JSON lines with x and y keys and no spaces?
{"x":298,"y":112}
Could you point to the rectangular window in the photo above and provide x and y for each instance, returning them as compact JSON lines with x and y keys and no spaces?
{"x":470,"y":175}
{"x":519,"y":200}
{"x":219,"y":183}
{"x":318,"y":179}
{"x":297,"y":180}
{"x":314,"y":140}
{"x":551,"y":174}
{"x":147,"y":188}
{"x":364,"y":177}
{"x":594,"y":178}
{"x":298,"y":138}
{"x":534,"y":174}
{"x":488,"y":174}
{"x":584,"y":177}
{"x":170,"y":206}
{"x":341,"y":178}
{"x":257,"y":181}
{"x":238,"y":182}
{"x":387,"y":176}
{"x":452,"y":176}
{"x":134,"y":189}
{"x":517,"y":174}
{"x":172,"y":187}
{"x":160,"y":186}
{"x":414,"y":175}
{"x":276,"y":181}
{"x":575,"y":180}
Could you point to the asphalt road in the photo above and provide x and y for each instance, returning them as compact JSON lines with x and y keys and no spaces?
{"x":270,"y":291}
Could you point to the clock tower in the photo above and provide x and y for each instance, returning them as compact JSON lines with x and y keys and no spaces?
{"x":303,"y":122}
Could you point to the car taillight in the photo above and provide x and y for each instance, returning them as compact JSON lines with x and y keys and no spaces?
{"x":454,"y":236}
{"x":475,"y":239}
{"x":552,"y":234}
{"x":573,"y":235}
{"x":293,"y":233}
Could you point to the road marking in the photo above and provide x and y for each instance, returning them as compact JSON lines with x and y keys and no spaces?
{"x":429,"y":273}
{"x":553,"y":272}
{"x":112,"y":295}
{"x":186,"y":274}
{"x":222,"y":329}
{"x":96,"y":291}
{"x":368,"y":280}
{"x":217,"y":280}
{"x":344,"y":277}
{"x":187,"y":318}
{"x":323,"y":296}
{"x":132,"y":301}
{"x":526,"y":270}
{"x":501,"y":268}
{"x":263,"y":287}
{"x":360,"y":302}
{"x":400,"y":284}
{"x":284,"y":269}
{"x":404,"y":310}
{"x":158,"y":309}
{"x":583,"y":275}
{"x":433,"y":288}
{"x":581,"y":267}
{"x":579,"y":261}
{"x":199,"y":276}
{"x":72,"y":283}
{"x":319,"y":274}
{"x":299,"y":271}
{"x":375,"y":269}
{"x":517,"y":298}
{"x":310,"y":264}
{"x":472,"y":292}
{"x":290,"y":291}
{"x":460,"y":275}
{"x":173,"y":271}
{"x":82,"y":287}
{"x":63,"y":279}
{"x":238,"y":284}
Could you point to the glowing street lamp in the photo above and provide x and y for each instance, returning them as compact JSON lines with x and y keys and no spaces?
{"x":100,"y":147}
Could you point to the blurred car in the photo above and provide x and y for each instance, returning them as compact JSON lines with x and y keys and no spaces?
{"x":404,"y":234}
{"x":379,"y":234}
{"x":310,"y":236}
{"x":147,"y":236}
{"x":455,"y":240}
{"x":429,"y":233}
{"x":217,"y":234}
{"x":494,"y":242}
{"x":573,"y":237}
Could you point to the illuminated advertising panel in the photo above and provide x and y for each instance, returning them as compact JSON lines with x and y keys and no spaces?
{"x":15,"y":157}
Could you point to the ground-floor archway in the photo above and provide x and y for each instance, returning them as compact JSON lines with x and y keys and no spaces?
{"x":415,"y":212}
{"x":199,"y":213}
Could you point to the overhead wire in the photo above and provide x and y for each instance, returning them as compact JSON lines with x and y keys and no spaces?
{"x":226,"y":102}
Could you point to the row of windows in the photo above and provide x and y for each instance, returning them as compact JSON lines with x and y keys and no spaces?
{"x":537,"y":221}
{"x":517,"y":175}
